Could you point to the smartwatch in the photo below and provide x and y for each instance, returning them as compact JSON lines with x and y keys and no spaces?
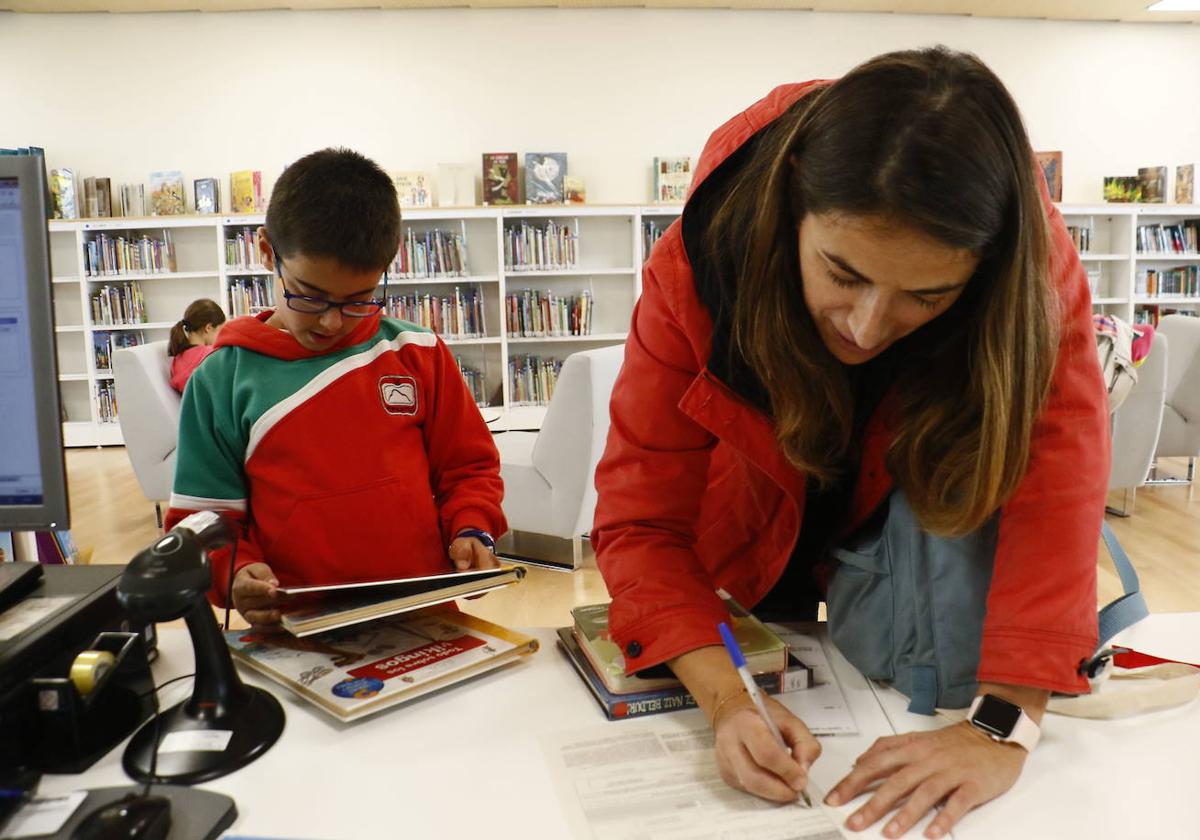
{"x":483,"y":536}
{"x":1004,"y":721}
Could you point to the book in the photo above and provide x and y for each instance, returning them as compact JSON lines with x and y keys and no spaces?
{"x":456,"y":185}
{"x":1122,"y":188}
{"x":206,"y":192}
{"x":574,"y":189}
{"x":245,"y":191}
{"x":669,"y":698}
{"x":413,"y":189}
{"x":356,"y":671}
{"x":312,"y":609}
{"x":765,"y":652}
{"x":501,"y":182}
{"x":672,"y":178}
{"x":91,"y":202}
{"x":7,"y":555}
{"x":544,"y":172}
{"x":166,"y":193}
{"x":104,"y":203}
{"x":1185,"y":179}
{"x":63,"y":194}
{"x":1051,"y":166}
{"x":1153,"y":180}
{"x":133,"y":200}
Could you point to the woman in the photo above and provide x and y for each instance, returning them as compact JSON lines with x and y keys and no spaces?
{"x":192,"y":339}
{"x":868,"y":290}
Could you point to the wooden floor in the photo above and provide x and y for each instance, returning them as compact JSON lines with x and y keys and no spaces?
{"x":110,"y":515}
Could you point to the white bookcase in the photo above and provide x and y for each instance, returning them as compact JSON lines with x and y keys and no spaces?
{"x":610,"y":254}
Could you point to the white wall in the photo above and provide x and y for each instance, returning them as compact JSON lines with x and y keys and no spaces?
{"x":120,"y":95}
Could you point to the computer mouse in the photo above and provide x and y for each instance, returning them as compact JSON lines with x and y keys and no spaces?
{"x":133,"y":817}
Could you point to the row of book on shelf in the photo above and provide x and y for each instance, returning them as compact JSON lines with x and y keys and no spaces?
{"x":1180,"y":238}
{"x":241,"y":249}
{"x":106,"y":401}
{"x":119,"y":304}
{"x":54,"y":548}
{"x":431,"y":253}
{"x":104,"y":343}
{"x":1183,"y":281}
{"x":532,"y":247}
{"x":1153,"y":314}
{"x":250,"y":295}
{"x":76,"y":197}
{"x":105,"y":255}
{"x":531,"y":379}
{"x":457,"y":315}
{"x":535,"y":313}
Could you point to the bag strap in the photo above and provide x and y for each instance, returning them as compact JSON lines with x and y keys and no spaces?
{"x":1131,"y":607}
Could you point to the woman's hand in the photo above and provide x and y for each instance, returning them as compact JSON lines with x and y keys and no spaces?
{"x":750,"y":758}
{"x":958,"y":764}
{"x":469,"y":553}
{"x":256,"y":594}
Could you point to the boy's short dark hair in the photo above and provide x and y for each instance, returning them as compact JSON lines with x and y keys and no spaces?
{"x":335,"y":203}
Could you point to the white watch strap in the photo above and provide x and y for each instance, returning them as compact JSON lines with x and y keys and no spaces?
{"x":1025,"y":732}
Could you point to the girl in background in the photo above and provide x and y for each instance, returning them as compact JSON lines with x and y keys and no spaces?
{"x":192,"y":339}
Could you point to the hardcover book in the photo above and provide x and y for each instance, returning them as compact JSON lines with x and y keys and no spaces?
{"x":1154,"y":184}
{"x":574,"y":189}
{"x":64,"y":194}
{"x":1185,"y":180}
{"x":544,"y":172}
{"x":456,"y":185}
{"x":765,"y":652}
{"x":312,"y":609}
{"x":1051,"y":165}
{"x":207,"y":194}
{"x":672,"y":178}
{"x":413,"y":189}
{"x":501,"y":184}
{"x":355,"y":671}
{"x":166,"y":194}
{"x":245,"y":192}
{"x":1122,"y":188}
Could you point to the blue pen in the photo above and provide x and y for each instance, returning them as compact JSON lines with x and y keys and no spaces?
{"x":739,"y":662}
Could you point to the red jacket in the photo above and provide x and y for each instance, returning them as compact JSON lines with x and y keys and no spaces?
{"x":184,"y":364}
{"x":694,"y":492}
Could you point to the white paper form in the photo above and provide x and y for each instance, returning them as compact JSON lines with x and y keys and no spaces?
{"x":823,"y":706}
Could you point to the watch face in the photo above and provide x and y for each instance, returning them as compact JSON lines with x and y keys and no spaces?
{"x":999,"y":717}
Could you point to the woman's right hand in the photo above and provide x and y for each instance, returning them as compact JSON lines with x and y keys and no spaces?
{"x":750,"y":758}
{"x":256,"y":594}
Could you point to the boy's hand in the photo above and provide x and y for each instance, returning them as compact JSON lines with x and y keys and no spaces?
{"x":470,"y":553}
{"x":255,"y":594}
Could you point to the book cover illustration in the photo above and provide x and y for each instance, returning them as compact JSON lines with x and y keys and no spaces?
{"x":413,"y":189}
{"x":1122,"y":189}
{"x":206,"y":192}
{"x":456,"y":185}
{"x":544,"y":173}
{"x":245,"y":192}
{"x":1185,"y":183}
{"x":574,"y":189}
{"x":166,"y":193}
{"x":1154,"y":184}
{"x":1051,"y":165}
{"x":63,"y":194}
{"x":501,"y":184}
{"x":354,"y":671}
{"x":672,"y":178}
{"x":7,"y":555}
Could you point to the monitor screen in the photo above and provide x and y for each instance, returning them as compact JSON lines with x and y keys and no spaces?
{"x":32,"y":482}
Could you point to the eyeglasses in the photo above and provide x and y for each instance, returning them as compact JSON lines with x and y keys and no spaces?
{"x":310,"y":305}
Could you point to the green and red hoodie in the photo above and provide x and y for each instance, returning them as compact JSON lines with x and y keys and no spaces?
{"x":358,"y":463}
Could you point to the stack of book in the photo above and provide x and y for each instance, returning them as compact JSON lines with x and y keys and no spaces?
{"x":600,"y":664}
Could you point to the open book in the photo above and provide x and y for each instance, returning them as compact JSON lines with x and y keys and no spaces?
{"x":355,"y":671}
{"x":314,"y":609}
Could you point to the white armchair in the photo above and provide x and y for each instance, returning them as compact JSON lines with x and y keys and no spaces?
{"x":1180,"y":435}
{"x":148,"y":411}
{"x":549,"y":476}
{"x":1135,"y":426}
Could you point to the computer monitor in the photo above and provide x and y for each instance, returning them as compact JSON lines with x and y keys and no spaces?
{"x":33,"y":483}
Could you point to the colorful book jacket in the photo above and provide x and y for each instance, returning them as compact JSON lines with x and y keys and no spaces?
{"x":672,"y":178}
{"x":413,"y":189}
{"x":167,"y":196}
{"x":245,"y":192}
{"x":544,"y":173}
{"x":765,"y":652}
{"x":501,"y":181}
{"x":356,"y":671}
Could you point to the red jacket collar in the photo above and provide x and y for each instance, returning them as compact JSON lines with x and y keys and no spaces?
{"x":253,"y":333}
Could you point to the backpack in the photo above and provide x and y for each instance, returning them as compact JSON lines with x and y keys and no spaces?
{"x":1114,"y":343}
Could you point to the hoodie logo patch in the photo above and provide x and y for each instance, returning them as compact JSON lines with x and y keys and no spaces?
{"x":399,"y":394}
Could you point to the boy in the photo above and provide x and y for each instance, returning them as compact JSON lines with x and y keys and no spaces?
{"x":345,"y":444}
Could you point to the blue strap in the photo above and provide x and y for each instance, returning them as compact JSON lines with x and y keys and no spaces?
{"x":924,"y":690}
{"x":1131,"y":607}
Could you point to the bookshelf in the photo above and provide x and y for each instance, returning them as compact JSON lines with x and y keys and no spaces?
{"x":610,"y":248}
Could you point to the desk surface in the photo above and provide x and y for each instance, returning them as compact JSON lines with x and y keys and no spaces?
{"x":468,"y":762}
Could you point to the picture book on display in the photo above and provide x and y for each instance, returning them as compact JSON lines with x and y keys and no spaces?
{"x":1051,"y":164}
{"x":166,"y":194}
{"x":206,"y":192}
{"x":1154,"y":184}
{"x":544,"y":173}
{"x":311,"y":609}
{"x":574,"y":189}
{"x":64,"y":192}
{"x":456,"y":185}
{"x":501,"y":181}
{"x":355,"y":671}
{"x":1122,"y":188}
{"x":414,"y":189}
{"x":245,"y":192}
{"x":672,"y":178}
{"x":1185,"y":181}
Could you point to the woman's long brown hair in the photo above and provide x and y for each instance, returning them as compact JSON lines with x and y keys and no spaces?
{"x":932,"y":140}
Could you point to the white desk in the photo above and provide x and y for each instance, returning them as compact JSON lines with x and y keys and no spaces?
{"x":468,"y":763}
